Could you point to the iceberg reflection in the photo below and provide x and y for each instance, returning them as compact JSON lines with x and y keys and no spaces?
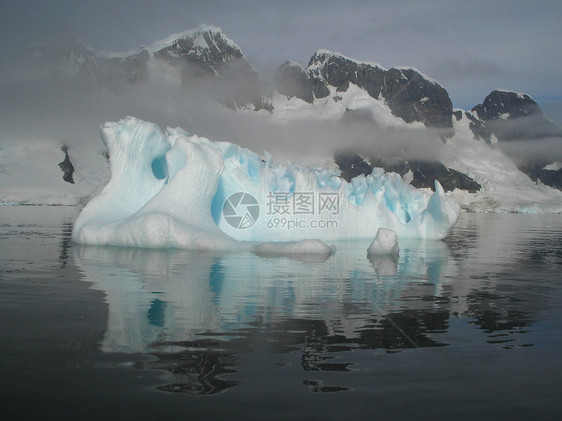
{"x":195,"y":311}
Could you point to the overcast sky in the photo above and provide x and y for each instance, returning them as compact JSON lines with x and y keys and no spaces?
{"x":470,"y":47}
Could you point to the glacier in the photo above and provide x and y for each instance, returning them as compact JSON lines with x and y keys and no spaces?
{"x":170,"y":189}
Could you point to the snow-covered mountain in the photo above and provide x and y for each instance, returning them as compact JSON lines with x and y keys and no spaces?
{"x":399,"y":100}
{"x":408,"y":93}
{"x":398,"y":119}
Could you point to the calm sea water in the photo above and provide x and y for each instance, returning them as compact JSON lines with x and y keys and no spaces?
{"x":466,"y":328}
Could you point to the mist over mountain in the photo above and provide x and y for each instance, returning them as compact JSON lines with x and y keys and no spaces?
{"x":335,"y":111}
{"x":194,"y":59}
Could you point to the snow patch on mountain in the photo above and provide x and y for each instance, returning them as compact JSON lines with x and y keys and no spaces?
{"x":333,"y":107}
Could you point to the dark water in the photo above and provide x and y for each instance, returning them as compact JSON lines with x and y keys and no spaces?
{"x":466,"y":328}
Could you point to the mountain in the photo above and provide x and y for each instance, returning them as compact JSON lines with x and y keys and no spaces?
{"x":409,"y":94}
{"x":412,"y":97}
{"x":397,"y":118}
{"x":207,"y":53}
{"x":203,"y":57}
{"x":514,"y":116}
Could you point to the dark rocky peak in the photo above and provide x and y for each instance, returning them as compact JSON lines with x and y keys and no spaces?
{"x":334,"y":69}
{"x":206,"y":52}
{"x":409,"y":94}
{"x":205,"y":49}
{"x":207,"y":60}
{"x":513,"y":116}
{"x":503,"y":105}
{"x":205,"y":46}
{"x":328,"y":69}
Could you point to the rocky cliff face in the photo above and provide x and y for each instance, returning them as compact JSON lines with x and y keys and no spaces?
{"x":502,"y":105}
{"x":67,"y":167}
{"x":414,"y":98}
{"x":513,"y":116}
{"x":409,"y":94}
{"x":420,"y":174}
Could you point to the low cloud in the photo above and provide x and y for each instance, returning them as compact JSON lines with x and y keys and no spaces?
{"x":73,"y":115}
{"x":57,"y":108}
{"x":546,"y":150}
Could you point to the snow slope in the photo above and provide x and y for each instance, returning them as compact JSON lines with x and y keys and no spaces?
{"x":30,"y":174}
{"x":504,"y":187}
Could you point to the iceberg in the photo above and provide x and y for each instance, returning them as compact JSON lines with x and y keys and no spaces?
{"x":303,"y":250}
{"x":386,"y":242}
{"x":175,"y":190}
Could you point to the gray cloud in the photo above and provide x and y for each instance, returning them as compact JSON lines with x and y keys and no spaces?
{"x":64,"y":111}
{"x":540,"y":150}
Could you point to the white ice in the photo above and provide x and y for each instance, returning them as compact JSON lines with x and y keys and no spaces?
{"x":299,"y":249}
{"x":386,"y":242}
{"x":170,"y":190}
